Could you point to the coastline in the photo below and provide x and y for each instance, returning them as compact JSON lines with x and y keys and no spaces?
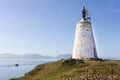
{"x":92,"y":69}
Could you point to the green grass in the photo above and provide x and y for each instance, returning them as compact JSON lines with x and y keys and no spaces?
{"x":75,"y":70}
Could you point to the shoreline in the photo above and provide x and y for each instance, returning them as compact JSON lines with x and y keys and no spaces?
{"x":65,"y":69}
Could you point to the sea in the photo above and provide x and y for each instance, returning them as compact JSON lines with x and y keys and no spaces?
{"x":8,"y":69}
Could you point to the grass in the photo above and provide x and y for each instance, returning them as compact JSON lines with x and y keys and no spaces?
{"x":75,"y":70}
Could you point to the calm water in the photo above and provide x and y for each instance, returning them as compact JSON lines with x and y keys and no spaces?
{"x":8,"y":70}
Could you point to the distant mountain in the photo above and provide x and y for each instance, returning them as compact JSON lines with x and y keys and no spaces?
{"x":65,"y":56}
{"x":26,"y":56}
{"x":32,"y":56}
{"x":38,"y":56}
{"x":7,"y":56}
{"x":110,"y":58}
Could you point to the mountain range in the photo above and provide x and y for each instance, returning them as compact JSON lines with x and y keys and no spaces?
{"x":38,"y":56}
{"x":32,"y":56}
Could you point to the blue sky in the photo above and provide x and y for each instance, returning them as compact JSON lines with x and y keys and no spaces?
{"x":47,"y":27}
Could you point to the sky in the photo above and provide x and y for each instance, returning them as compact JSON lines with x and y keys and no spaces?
{"x":47,"y":27}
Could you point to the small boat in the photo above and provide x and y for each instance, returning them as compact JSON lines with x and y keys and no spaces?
{"x":16,"y":64}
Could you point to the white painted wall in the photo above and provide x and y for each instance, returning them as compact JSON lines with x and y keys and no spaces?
{"x":84,"y":45}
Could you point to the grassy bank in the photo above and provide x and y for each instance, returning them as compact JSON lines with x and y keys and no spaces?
{"x":75,"y":70}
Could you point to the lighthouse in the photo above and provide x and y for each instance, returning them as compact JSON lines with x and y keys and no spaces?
{"x":84,"y":44}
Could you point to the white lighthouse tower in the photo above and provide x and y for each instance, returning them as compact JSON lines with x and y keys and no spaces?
{"x":84,"y":44}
